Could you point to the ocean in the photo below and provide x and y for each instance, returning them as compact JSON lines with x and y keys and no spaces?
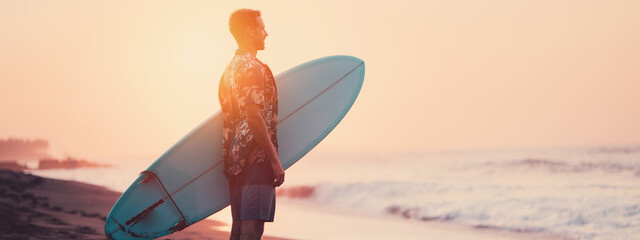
{"x":583,"y":193}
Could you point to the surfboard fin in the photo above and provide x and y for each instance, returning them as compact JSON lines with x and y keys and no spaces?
{"x":179,"y":226}
{"x":144,"y":213}
{"x":145,"y":178}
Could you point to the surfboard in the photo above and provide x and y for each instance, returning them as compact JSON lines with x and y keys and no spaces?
{"x":187,"y":184}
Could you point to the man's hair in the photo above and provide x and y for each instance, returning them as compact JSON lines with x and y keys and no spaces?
{"x":240,"y":19}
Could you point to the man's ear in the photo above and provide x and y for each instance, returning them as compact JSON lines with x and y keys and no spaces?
{"x":249,"y":30}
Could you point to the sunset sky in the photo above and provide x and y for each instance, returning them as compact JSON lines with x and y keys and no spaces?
{"x":119,"y":79}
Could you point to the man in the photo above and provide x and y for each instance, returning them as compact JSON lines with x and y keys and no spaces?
{"x":249,"y":101}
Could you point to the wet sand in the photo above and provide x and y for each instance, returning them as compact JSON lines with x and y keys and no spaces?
{"x":33,"y":207}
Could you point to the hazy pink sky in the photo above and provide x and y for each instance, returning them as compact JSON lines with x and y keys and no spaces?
{"x":111,"y":79}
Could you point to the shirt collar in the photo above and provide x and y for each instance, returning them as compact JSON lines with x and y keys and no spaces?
{"x":241,"y":51}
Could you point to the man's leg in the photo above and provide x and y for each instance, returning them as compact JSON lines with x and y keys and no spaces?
{"x":235,"y":230}
{"x":251,"y":229}
{"x":235,"y":191}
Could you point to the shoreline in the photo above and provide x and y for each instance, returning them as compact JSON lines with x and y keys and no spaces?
{"x":293,"y":218}
{"x":34,"y":207}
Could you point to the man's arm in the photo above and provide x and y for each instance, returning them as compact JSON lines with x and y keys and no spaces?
{"x":260,"y":134}
{"x":257,"y":123}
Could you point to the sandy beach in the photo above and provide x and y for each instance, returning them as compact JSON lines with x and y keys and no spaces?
{"x":33,"y":207}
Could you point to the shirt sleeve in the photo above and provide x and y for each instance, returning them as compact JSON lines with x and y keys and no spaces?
{"x":250,"y":88}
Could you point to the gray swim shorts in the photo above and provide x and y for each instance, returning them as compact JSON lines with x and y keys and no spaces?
{"x":253,"y":196}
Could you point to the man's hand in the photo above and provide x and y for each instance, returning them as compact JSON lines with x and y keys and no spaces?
{"x":278,"y":173}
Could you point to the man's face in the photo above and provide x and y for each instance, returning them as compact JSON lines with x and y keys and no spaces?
{"x":259,"y":34}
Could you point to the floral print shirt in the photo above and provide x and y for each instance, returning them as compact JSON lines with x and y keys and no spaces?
{"x":238,"y":87}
